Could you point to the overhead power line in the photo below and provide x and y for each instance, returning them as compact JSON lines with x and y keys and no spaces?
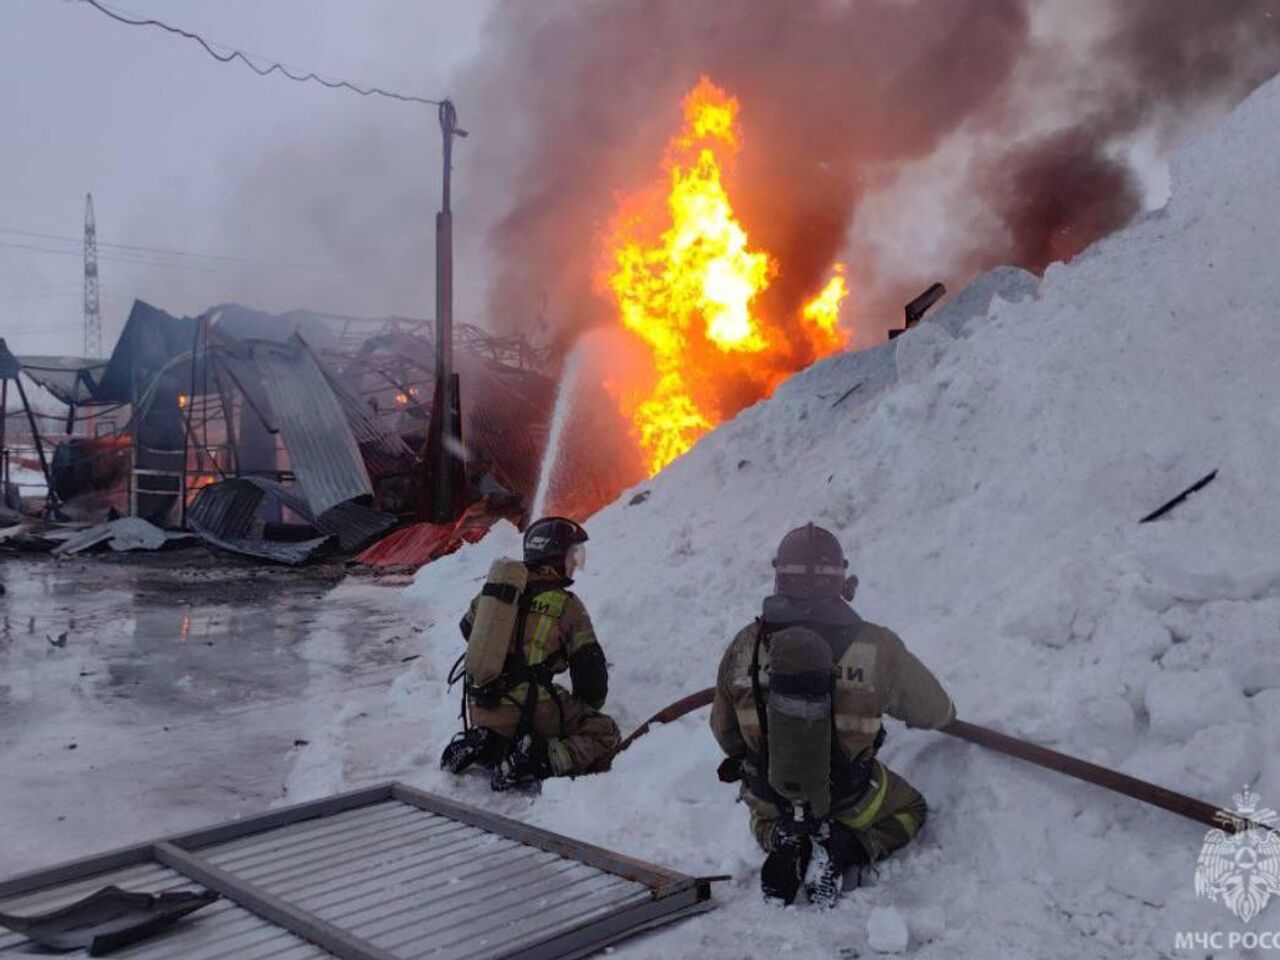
{"x":226,"y":258}
{"x":43,"y":295}
{"x":114,"y":258}
{"x":198,"y":262}
{"x":276,"y":67}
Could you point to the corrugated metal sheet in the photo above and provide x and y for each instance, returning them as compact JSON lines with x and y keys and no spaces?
{"x":354,"y":524}
{"x":323,"y":453}
{"x":226,"y":510}
{"x":219,"y":932}
{"x":290,"y":552}
{"x":407,"y":548}
{"x":234,"y":361}
{"x":384,"y":873}
{"x":122,"y":534}
{"x":223,"y":514}
{"x":372,"y":435}
{"x":415,"y":883}
{"x":420,"y":543}
{"x":238,"y":327}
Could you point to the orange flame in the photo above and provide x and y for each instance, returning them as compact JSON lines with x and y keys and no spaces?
{"x":686,"y":281}
{"x":822,"y":313}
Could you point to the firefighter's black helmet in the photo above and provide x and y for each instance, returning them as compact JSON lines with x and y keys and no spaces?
{"x":810,"y":564}
{"x":550,"y":539}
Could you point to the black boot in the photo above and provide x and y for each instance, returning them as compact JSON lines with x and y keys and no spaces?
{"x":477,"y":745}
{"x":527,"y":763}
{"x":785,"y":867}
{"x":836,"y":849}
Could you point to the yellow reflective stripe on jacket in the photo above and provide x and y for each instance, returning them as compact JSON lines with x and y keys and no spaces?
{"x":867,"y":815}
{"x":536,"y":652}
{"x":549,"y":603}
{"x":581,"y":637}
{"x":909,"y":821}
{"x":846,"y":723}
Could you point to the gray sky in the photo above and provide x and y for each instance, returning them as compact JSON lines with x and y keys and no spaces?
{"x":184,"y":153}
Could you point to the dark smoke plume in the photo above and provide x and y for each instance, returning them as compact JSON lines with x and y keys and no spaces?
{"x":575,"y":100}
{"x":1056,"y":197}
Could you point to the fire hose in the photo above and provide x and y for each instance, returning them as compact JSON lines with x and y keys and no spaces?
{"x":1113,"y":780}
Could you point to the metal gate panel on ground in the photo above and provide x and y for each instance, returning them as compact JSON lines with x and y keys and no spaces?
{"x":385,"y":873}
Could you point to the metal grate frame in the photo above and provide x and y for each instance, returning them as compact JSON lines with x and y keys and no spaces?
{"x":299,"y":879}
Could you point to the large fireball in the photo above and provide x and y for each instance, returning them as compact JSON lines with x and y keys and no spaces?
{"x":687,"y":281}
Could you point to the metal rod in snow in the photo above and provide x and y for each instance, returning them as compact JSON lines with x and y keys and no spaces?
{"x":1198,"y":485}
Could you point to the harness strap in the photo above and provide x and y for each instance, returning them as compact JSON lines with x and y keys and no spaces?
{"x":459,"y":672}
{"x":517,"y":669}
{"x":534,"y":676}
{"x":849,"y":775}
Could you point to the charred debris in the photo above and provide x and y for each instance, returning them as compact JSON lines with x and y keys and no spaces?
{"x":279,"y":438}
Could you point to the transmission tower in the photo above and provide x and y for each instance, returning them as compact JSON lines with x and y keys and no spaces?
{"x":92,"y":317}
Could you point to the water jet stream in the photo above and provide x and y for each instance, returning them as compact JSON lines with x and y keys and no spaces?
{"x":555,"y":436}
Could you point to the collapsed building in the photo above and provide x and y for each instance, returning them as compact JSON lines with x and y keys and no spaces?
{"x":280,"y":436}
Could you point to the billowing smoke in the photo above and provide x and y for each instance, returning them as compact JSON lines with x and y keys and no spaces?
{"x":916,"y":139}
{"x":1053,"y":198}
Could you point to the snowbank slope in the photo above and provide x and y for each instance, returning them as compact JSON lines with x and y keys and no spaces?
{"x":986,"y":480}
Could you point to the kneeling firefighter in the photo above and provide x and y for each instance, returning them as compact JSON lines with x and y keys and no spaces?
{"x":798,"y":707}
{"x":523,"y":629}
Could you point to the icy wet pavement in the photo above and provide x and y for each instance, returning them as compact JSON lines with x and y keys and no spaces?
{"x":139,"y":700}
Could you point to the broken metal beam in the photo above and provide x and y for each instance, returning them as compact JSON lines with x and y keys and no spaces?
{"x":914,"y":311}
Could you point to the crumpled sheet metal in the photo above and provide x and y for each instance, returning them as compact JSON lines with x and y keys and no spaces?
{"x":108,"y":919}
{"x":122,"y":535}
{"x":222,"y":514}
{"x":226,"y":510}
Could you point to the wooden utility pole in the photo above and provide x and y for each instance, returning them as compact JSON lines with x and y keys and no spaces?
{"x":445,"y":442}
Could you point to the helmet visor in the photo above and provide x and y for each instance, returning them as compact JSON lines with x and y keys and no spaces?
{"x":576,"y":558}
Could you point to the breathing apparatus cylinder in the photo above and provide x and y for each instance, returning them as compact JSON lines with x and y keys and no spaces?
{"x":496,"y":619}
{"x":801,"y":682}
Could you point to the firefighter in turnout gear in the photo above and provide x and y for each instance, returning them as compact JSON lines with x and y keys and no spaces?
{"x":524,"y":629}
{"x":798,"y":705}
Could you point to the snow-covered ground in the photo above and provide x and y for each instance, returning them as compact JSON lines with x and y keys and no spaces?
{"x":986,"y":478}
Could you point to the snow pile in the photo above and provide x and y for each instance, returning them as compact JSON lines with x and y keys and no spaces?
{"x":986,"y":477}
